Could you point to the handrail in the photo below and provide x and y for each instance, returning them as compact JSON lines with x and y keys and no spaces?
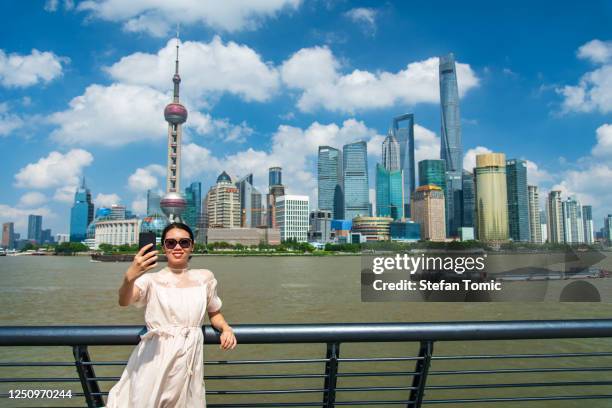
{"x":332,"y":386}
{"x":320,"y":333}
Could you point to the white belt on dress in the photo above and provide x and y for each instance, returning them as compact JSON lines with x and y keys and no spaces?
{"x":172,"y":331}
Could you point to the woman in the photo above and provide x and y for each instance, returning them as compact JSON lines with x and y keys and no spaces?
{"x":166,"y":368}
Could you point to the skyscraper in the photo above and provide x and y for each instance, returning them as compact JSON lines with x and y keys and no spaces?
{"x":81,"y":214}
{"x":356,"y":184}
{"x":389,"y":193}
{"x":193,"y":207}
{"x":275,"y":176}
{"x":432,"y":172}
{"x":223,"y":204}
{"x":468,"y":199}
{"x":554,"y":217}
{"x":607,"y":229}
{"x":8,"y":235}
{"x":428,"y":212}
{"x":275,"y":190}
{"x":535,"y":229}
{"x":391,"y":152}
{"x":450,"y":141}
{"x":153,"y":200}
{"x":589,"y":228}
{"x":329,"y":174}
{"x":35,"y":228}
{"x":403,"y":129}
{"x":491,"y":198}
{"x":256,"y":209}
{"x":573,"y":226}
{"x":173,"y":203}
{"x":245,"y":188}
{"x":292,"y":217}
{"x":518,"y":200}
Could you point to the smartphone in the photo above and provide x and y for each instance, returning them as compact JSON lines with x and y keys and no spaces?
{"x":146,"y":238}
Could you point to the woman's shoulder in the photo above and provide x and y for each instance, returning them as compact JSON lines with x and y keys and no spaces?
{"x":203,"y":274}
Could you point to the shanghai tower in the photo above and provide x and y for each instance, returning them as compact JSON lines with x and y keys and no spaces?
{"x":450,"y":147}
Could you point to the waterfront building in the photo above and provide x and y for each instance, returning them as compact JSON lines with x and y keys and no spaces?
{"x":8,"y":235}
{"x":372,"y":228}
{"x":245,"y":189}
{"x":389,"y":193}
{"x":403,"y":130}
{"x":355,"y":178}
{"x":275,"y":190}
{"x":319,"y":226}
{"x":589,"y":228}
{"x":330,"y":181}
{"x":154,"y":223}
{"x":404,"y":231}
{"x":81,"y":213}
{"x":223,"y":204}
{"x":554,"y":217}
{"x":173,"y":203}
{"x":573,"y":226}
{"x":118,"y":212}
{"x":451,"y":150}
{"x":61,"y":238}
{"x":466,"y":234}
{"x":468,"y":200}
{"x":257,"y":211}
{"x":428,"y":211}
{"x":153,"y":203}
{"x":291,"y":212}
{"x":35,"y":228}
{"x":193,"y":205}
{"x":535,"y":229}
{"x":243,"y":236}
{"x":117,"y":232}
{"x":491,"y":197}
{"x":341,"y":230}
{"x":46,"y":237}
{"x":607,"y":229}
{"x":432,"y":172}
{"x":518,"y":200}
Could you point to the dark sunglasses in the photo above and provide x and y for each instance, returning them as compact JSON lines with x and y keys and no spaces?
{"x":170,"y":243}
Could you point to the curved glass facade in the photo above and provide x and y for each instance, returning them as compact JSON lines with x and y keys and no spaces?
{"x":491,"y":197}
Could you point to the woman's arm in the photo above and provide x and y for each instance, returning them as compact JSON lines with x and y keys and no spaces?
{"x":142,"y":263}
{"x":228,"y":339}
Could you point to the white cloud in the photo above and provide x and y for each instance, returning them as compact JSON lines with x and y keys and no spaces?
{"x":427,"y":144}
{"x":596,"y":51}
{"x":106,"y":200}
{"x":51,"y":5}
{"x":65,"y":194}
{"x":146,"y":178}
{"x":469,"y":158}
{"x":314,"y":72}
{"x":20,"y":215}
{"x":112,"y":116}
{"x":594,"y":90}
{"x":32,"y":199}
{"x":20,"y":71}
{"x":139,"y":205}
{"x":364,"y":16}
{"x":57,"y":169}
{"x":536,"y":175}
{"x":208,"y":69}
{"x":205,"y":124}
{"x":9,"y":122}
{"x":603,"y":148}
{"x":157,"y":18}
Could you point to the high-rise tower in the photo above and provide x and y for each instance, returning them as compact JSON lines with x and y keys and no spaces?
{"x":450,"y":144}
{"x":81,"y":213}
{"x":403,"y":130}
{"x":173,"y":203}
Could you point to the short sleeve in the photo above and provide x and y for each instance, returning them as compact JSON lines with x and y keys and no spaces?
{"x":213,"y":303}
{"x":143,"y":284}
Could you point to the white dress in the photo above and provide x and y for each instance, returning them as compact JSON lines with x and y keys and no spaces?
{"x":166,"y":368}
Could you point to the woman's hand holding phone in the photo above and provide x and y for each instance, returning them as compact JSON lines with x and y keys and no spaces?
{"x":143,"y":262}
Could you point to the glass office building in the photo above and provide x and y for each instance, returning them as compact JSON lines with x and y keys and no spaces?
{"x":589,"y":229}
{"x":432,"y":172}
{"x":389,"y":196}
{"x":35,"y":228}
{"x":468,"y":199}
{"x":491,"y":197}
{"x":329,"y":177}
{"x":275,"y":176}
{"x":403,"y":129}
{"x":518,"y":200}
{"x":450,"y":141}
{"x":81,"y":214}
{"x":356,"y":181}
{"x":193,"y":208}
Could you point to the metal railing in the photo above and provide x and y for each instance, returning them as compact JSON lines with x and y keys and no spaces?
{"x":417,"y":384}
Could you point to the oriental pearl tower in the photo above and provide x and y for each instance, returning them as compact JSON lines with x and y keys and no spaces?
{"x":173,"y":203}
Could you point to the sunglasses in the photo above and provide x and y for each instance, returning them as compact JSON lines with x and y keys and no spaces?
{"x":170,"y":243}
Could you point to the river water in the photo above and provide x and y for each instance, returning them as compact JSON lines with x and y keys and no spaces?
{"x":73,"y":290}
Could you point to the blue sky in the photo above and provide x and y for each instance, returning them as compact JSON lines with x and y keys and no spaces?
{"x":83,"y":85}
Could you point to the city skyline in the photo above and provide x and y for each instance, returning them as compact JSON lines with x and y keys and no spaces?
{"x":227,"y":129}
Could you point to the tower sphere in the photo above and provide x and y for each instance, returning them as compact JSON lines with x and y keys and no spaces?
{"x":173,"y":205}
{"x":175,"y":113}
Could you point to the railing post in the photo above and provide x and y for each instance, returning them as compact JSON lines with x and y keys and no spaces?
{"x":420,"y":379}
{"x":331,"y":377}
{"x":86,"y":371}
